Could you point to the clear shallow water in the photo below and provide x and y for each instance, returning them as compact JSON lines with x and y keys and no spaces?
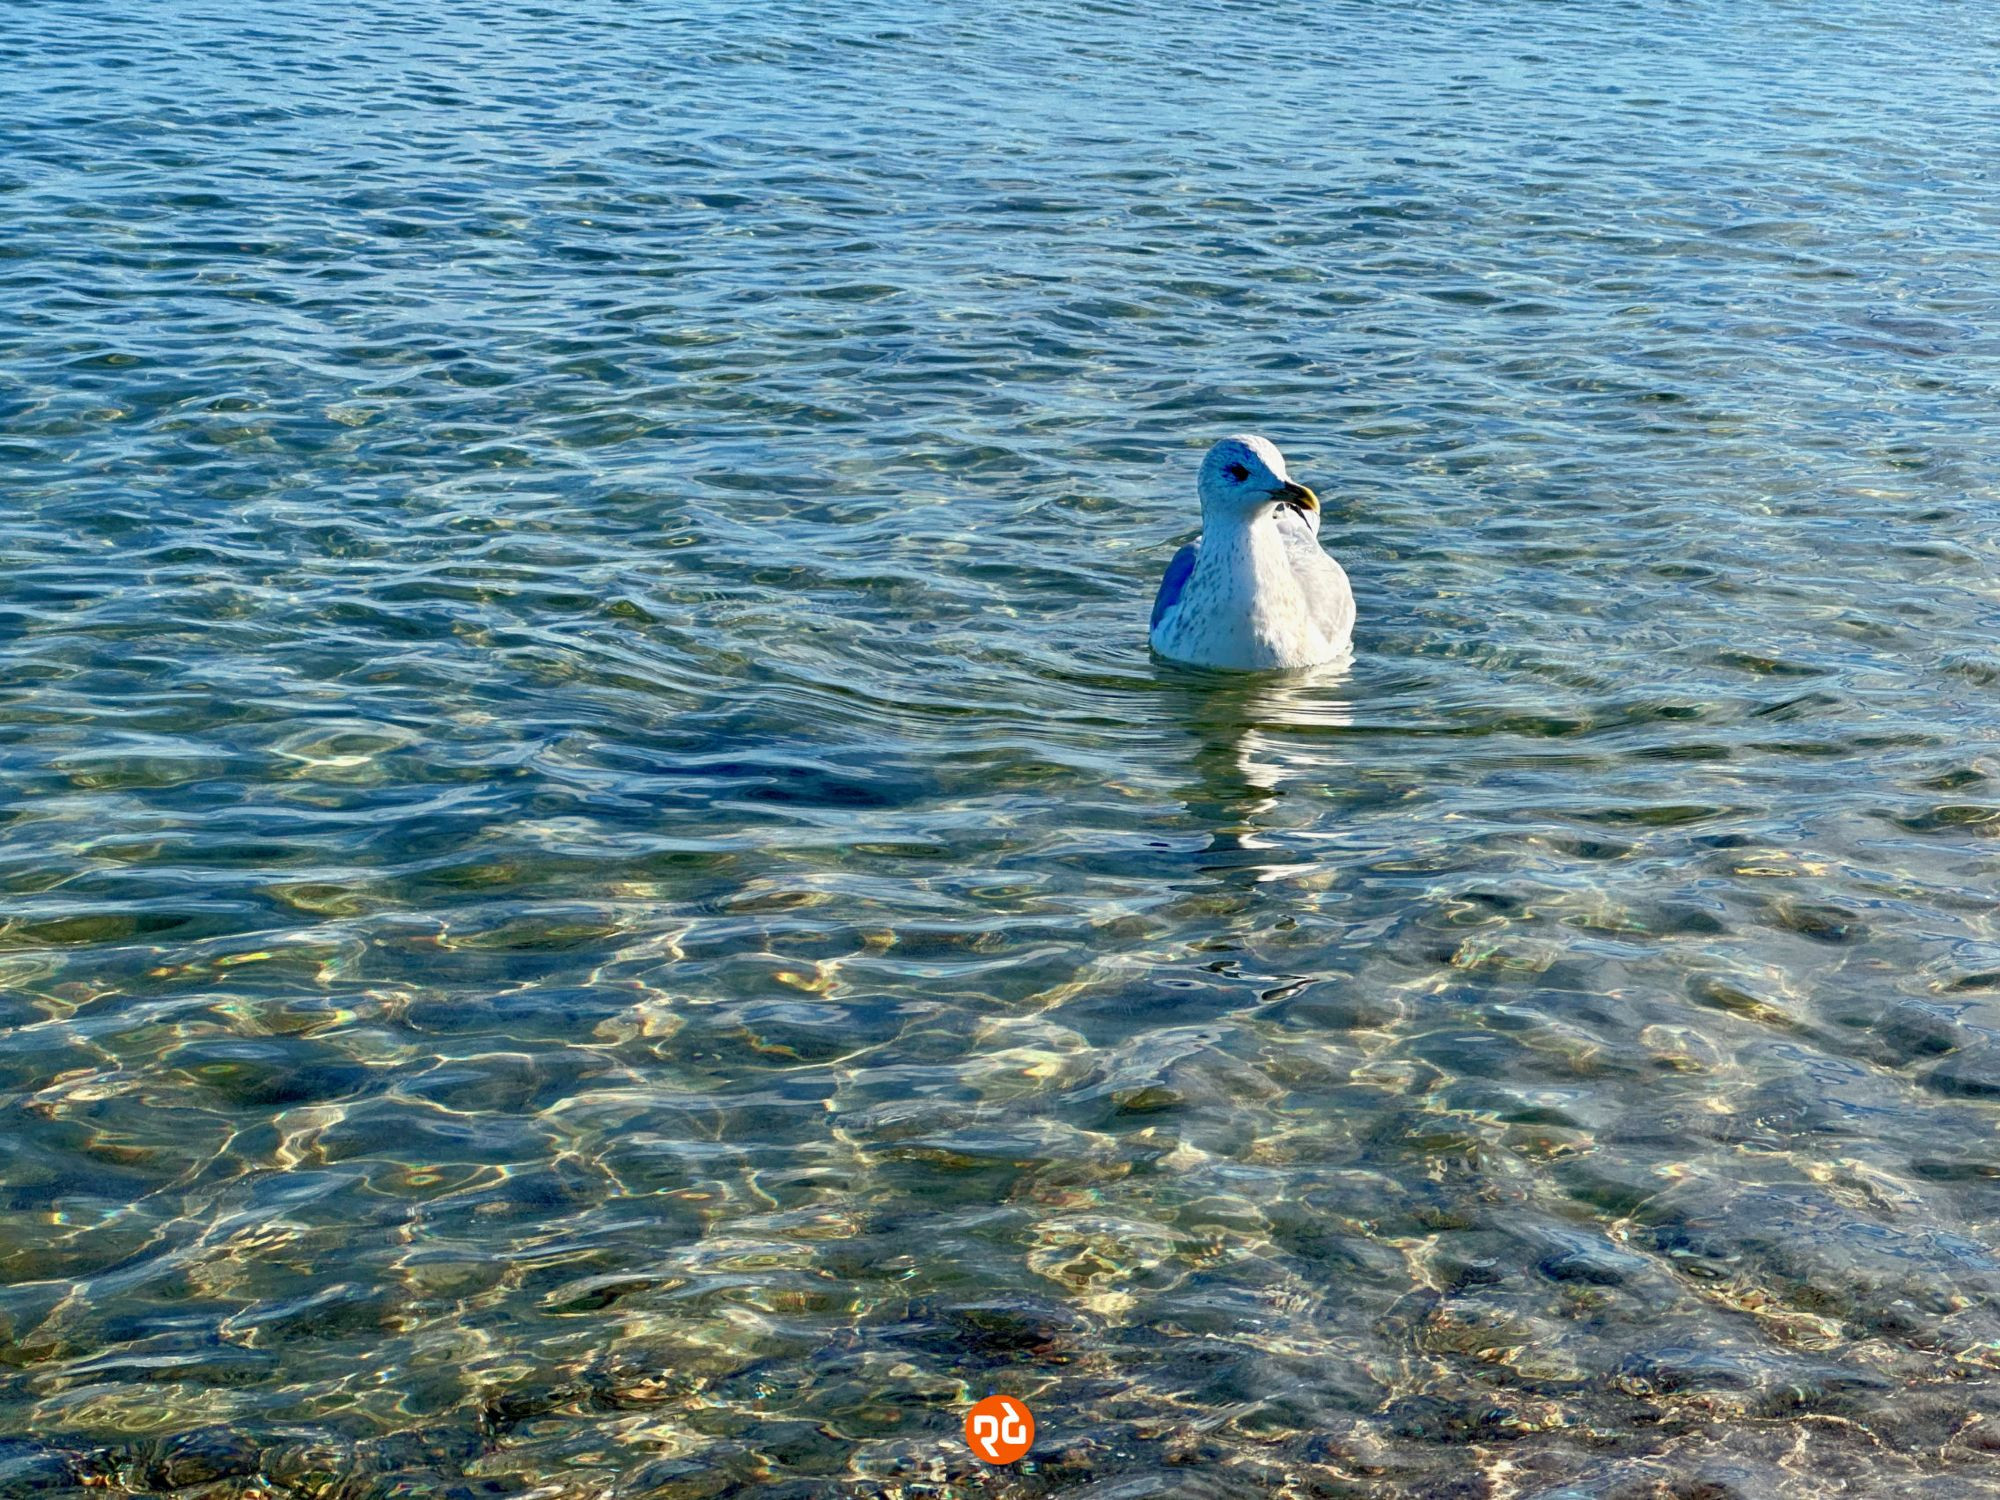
{"x":600,"y":895}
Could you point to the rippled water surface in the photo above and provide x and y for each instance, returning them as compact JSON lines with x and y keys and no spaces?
{"x":601,"y":896}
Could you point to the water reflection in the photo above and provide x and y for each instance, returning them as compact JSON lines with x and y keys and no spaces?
{"x":1242,"y":723}
{"x":1247,"y":754}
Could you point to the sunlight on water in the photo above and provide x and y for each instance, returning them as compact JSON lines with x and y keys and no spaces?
{"x":601,"y":896}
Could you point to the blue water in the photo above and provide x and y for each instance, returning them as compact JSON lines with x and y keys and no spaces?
{"x":599,"y":895}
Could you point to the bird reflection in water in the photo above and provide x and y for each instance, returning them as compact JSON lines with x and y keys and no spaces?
{"x":1256,"y":740}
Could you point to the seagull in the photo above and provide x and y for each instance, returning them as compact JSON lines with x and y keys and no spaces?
{"x":1254,"y":591}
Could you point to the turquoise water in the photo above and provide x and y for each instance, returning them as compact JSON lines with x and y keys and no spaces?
{"x":601,"y":897}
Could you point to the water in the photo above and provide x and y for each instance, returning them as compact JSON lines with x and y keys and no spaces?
{"x":602,"y":898}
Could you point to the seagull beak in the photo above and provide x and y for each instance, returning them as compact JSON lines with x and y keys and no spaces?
{"x":1299,"y":497}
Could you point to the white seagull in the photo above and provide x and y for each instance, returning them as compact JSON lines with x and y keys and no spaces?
{"x":1253,"y":591}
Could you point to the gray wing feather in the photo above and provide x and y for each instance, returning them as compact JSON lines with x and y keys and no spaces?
{"x":1323,"y":580}
{"x":1175,"y":580}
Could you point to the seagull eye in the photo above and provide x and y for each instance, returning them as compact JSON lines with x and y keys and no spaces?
{"x":1236,"y":472}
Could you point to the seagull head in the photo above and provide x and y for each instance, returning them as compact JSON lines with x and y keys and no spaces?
{"x":1244,"y":477}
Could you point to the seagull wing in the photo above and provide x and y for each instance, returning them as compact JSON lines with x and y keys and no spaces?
{"x":1175,"y":580}
{"x":1322,"y":580}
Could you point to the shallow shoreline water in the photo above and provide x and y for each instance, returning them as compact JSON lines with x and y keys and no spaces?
{"x":599,"y":896}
